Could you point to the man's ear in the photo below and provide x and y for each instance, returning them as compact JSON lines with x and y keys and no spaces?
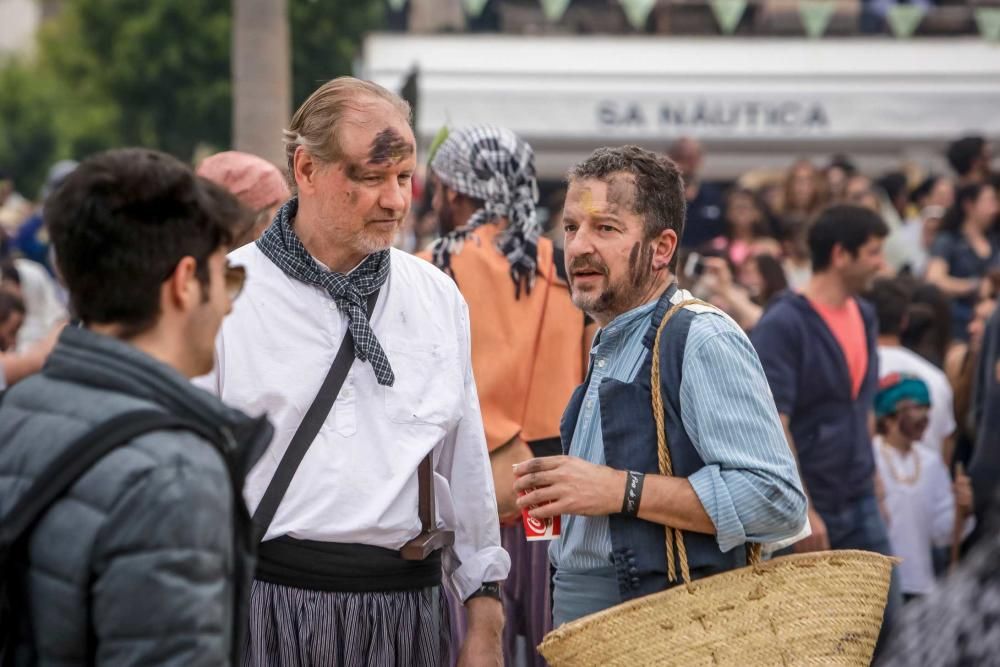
{"x":305,"y":168}
{"x":664,"y":249}
{"x":838,"y":254}
{"x":182,"y":290}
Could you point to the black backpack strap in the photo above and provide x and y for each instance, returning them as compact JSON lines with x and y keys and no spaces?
{"x":71,"y":464}
{"x":311,"y":424}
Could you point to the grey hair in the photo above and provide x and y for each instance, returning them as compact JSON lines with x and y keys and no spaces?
{"x":315,"y":126}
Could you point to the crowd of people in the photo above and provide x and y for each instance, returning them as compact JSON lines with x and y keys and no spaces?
{"x":398,"y":384}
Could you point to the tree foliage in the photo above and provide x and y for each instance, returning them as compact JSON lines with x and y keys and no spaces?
{"x":154,"y":73}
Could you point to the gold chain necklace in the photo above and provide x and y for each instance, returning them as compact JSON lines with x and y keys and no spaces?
{"x":888,"y":455}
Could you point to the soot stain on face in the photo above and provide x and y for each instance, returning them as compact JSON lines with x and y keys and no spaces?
{"x":389,"y":146}
{"x":354,"y":171}
{"x":640,"y":263}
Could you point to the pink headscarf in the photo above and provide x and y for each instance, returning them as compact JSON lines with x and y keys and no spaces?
{"x":257,"y":183}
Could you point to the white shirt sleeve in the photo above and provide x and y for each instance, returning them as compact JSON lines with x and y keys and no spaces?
{"x":942,"y":502}
{"x":464,"y":461}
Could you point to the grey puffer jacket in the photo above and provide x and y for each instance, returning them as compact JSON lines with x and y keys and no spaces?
{"x":147,"y":560}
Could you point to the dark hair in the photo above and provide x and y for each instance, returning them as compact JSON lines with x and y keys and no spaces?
{"x":10,"y":303}
{"x":954,"y":217}
{"x":9,"y":272}
{"x":658,"y":186}
{"x":845,"y":225}
{"x":925,"y":188}
{"x":120,"y":224}
{"x":762,"y":226}
{"x":773,"y":275}
{"x":893,"y":184}
{"x":963,"y":152}
{"x":928,"y":323}
{"x":891,"y":298}
{"x":842,"y":161}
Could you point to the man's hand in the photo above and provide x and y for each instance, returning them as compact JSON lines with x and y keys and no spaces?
{"x":819,"y":540}
{"x":482,"y":644}
{"x":963,"y":494}
{"x":569,"y":485}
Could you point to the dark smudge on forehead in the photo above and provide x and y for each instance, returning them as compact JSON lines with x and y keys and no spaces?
{"x":621,"y":192}
{"x":389,"y":146}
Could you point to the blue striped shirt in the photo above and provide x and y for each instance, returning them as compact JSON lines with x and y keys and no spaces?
{"x":729,"y":414}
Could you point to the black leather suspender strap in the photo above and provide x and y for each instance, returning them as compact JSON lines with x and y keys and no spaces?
{"x":430,"y":538}
{"x":311,"y":424}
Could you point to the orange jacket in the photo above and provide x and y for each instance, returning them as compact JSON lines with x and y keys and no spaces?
{"x":527,"y":353}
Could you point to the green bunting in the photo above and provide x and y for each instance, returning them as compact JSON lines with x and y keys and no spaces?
{"x":439,"y":138}
{"x":554,"y":9}
{"x":904,"y":19}
{"x":728,"y":13}
{"x":816,"y":15}
{"x":988,"y":20}
{"x":637,"y":11}
{"x":474,"y":7}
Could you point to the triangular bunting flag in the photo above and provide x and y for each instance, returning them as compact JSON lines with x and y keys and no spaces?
{"x":637,"y":11}
{"x":988,"y":20}
{"x":474,"y":7}
{"x":816,"y":15}
{"x":554,"y":9}
{"x":397,"y":5}
{"x":904,"y":19}
{"x":728,"y":13}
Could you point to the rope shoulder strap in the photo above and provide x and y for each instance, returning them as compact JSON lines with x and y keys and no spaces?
{"x":674,"y":536}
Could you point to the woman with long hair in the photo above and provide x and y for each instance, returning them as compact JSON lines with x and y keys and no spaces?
{"x":964,"y":250}
{"x":805,"y":193}
{"x":746,"y":228}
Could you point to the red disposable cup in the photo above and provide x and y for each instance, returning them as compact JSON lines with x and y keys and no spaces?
{"x":539,"y":529}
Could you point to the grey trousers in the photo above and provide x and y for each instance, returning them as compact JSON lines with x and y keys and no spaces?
{"x":294,"y":627}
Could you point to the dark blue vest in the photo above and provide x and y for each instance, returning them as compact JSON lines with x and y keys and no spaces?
{"x":629,"y":433}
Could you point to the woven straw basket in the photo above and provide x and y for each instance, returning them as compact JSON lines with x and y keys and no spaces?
{"x":810,"y":609}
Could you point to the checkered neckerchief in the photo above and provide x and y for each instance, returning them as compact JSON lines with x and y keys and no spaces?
{"x":350,"y":292}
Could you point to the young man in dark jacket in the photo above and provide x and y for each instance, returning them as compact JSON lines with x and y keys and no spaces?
{"x":819,"y":349}
{"x":140,"y":563}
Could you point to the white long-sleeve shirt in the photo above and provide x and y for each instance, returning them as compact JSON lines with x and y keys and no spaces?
{"x":358,"y":481}
{"x":921,"y":513}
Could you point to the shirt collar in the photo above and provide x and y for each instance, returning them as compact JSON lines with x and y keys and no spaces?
{"x":625,"y":323}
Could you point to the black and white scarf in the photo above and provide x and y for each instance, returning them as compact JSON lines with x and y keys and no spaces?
{"x":350,"y":292}
{"x":497,"y":167}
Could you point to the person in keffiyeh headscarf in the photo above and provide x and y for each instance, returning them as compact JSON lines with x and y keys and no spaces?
{"x":529,"y":341}
{"x":492,"y":171}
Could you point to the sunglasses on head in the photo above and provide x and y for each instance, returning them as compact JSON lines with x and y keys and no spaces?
{"x":236,"y":277}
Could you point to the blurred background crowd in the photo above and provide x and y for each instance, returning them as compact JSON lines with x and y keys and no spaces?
{"x":772,"y":109}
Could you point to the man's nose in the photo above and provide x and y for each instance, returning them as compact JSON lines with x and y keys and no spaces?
{"x":393,"y":196}
{"x":581,"y":242}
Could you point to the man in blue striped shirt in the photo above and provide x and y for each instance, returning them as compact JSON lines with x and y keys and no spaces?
{"x":735,"y":480}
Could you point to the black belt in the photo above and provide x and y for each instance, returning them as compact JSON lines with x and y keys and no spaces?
{"x":344,"y":568}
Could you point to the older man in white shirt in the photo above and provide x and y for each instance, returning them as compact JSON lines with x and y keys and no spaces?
{"x":349,"y":574}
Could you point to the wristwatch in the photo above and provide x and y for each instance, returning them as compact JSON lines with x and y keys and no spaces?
{"x":489,"y":589}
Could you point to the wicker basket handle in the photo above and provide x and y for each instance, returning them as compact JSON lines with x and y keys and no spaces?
{"x":674,"y":536}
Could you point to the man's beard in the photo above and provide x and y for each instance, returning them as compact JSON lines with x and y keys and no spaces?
{"x":446,"y":218}
{"x":369,"y":241}
{"x":619,"y":295}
